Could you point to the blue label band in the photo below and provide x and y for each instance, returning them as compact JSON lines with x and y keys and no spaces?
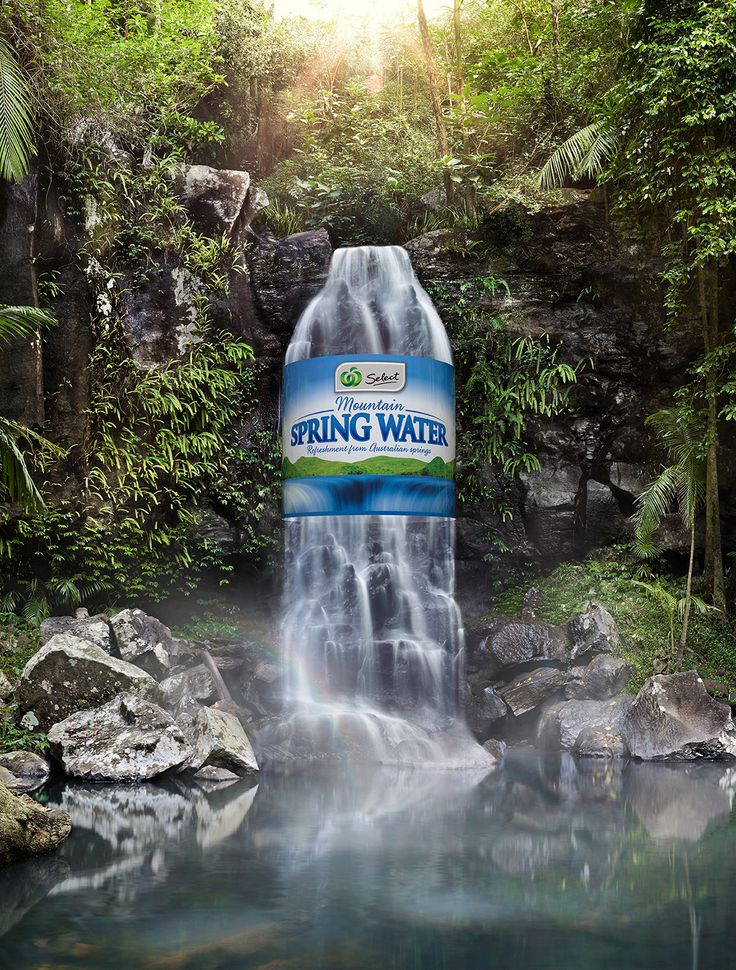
{"x":368,"y":434}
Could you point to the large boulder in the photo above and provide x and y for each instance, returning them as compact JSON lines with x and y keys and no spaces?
{"x":28,"y":770}
{"x":483,"y":709}
{"x":561,"y":725}
{"x":593,"y":631}
{"x":142,"y":640}
{"x":126,"y":740}
{"x":528,"y":691}
{"x":604,"y":677}
{"x":190,"y":687}
{"x":28,"y":829}
{"x":219,"y":199}
{"x":512,"y":642}
{"x":69,"y":675}
{"x":94,"y":629}
{"x":220,"y":742}
{"x":674,"y":717}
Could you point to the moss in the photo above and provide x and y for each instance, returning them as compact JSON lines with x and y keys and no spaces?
{"x":610,"y":576}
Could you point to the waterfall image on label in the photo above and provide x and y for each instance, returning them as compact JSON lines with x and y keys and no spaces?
{"x":372,"y":634}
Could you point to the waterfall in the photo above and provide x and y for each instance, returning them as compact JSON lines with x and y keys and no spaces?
{"x":372,"y":635}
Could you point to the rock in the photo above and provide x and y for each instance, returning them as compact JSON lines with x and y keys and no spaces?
{"x":495,"y":748}
{"x":28,"y":829}
{"x":25,"y":764}
{"x":94,"y":629}
{"x":194,"y":685}
{"x":597,"y":742}
{"x":210,"y":773}
{"x":221,"y":742}
{"x":142,"y":640}
{"x":69,"y":674}
{"x":515,"y":642}
{"x":594,"y":631}
{"x":560,"y":726}
{"x":602,"y":678}
{"x":127,"y":740}
{"x":29,"y":721}
{"x":218,"y":200}
{"x":527,"y":692}
{"x":6,"y":688}
{"x":483,"y":710}
{"x":673,"y":717}
{"x":531,"y":605}
{"x":574,"y":686}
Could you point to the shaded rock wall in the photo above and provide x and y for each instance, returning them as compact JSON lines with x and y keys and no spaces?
{"x":570,"y":274}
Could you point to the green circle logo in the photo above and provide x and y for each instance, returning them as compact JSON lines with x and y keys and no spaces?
{"x":351,"y":378}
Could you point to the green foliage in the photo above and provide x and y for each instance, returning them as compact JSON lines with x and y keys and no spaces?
{"x":284,"y":219}
{"x":504,"y":384}
{"x":16,"y":483}
{"x":681,"y":485}
{"x":675,"y":108}
{"x":17,"y":129}
{"x":612,"y":576}
{"x":346,"y":173}
{"x":13,"y":737}
{"x":585,"y":154}
{"x":159,"y":440}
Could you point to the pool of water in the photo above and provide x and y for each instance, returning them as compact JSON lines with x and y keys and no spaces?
{"x":540,"y":864}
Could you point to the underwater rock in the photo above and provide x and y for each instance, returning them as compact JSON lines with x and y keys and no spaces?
{"x":94,"y":629}
{"x":593,"y":631}
{"x":674,"y":717}
{"x":128,"y":739}
{"x":512,"y":642}
{"x":221,"y":742}
{"x":70,"y":674}
{"x":28,"y":829}
{"x":530,"y":689}
{"x":142,"y":640}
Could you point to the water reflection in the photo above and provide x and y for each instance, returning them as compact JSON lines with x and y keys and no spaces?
{"x":542,"y":864}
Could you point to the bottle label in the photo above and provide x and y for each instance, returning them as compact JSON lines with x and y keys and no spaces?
{"x":368,"y":435}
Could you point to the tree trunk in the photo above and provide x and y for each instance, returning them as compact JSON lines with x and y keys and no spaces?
{"x":688,"y":598}
{"x":468,"y":188}
{"x":714,"y":579}
{"x":434,"y":92}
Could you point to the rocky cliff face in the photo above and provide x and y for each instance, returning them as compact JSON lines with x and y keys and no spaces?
{"x":570,"y":275}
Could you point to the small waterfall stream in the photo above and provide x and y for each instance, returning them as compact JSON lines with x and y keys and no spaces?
{"x":372,"y":635}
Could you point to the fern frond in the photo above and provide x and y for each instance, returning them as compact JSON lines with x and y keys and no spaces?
{"x":584,"y":153}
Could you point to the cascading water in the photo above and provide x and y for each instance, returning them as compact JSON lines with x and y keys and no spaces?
{"x":372,"y":634}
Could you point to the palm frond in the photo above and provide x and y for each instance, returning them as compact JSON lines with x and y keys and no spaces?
{"x":22,"y":322}
{"x":697,"y":603}
{"x":657,"y":500}
{"x":17,"y":132}
{"x":584,"y":153}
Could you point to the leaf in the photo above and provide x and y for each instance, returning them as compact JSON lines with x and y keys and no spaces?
{"x":17,"y":132}
{"x":584,"y":153}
